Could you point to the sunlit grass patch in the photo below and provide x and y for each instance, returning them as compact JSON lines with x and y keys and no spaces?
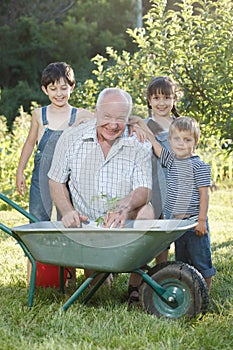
{"x":105,"y":323}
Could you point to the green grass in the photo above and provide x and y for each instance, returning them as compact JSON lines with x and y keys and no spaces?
{"x":105,"y":323}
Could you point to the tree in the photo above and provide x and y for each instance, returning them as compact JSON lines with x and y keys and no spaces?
{"x":34,"y":33}
{"x":44,"y":11}
{"x":85,"y":33}
{"x":193,"y":44}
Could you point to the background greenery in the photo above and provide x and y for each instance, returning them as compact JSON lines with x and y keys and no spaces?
{"x":192,"y":41}
{"x":34,"y":33}
{"x":105,"y":323}
{"x":12,"y":143}
{"x":194,"y":47}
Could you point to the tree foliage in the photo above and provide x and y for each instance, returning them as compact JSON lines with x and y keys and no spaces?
{"x":34,"y":33}
{"x":191,"y":41}
{"x":11,"y":146}
{"x":12,"y":143}
{"x":193,"y":44}
{"x":196,"y":50}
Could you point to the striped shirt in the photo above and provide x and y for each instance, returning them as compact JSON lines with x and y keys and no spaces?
{"x":95,"y":181}
{"x":185,"y":177}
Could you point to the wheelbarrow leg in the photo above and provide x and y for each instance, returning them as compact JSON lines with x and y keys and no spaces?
{"x":167,"y":296}
{"x":32,"y":283}
{"x":61,"y":279}
{"x":95,"y":288}
{"x":79,"y":291}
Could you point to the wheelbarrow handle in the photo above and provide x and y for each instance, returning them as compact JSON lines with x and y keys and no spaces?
{"x":26,"y":250}
{"x":18,"y":208}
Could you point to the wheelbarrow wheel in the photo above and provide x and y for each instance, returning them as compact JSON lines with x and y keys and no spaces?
{"x":202,"y":284}
{"x":184,"y":282}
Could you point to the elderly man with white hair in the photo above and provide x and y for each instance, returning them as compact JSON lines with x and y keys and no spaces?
{"x":102,"y":164}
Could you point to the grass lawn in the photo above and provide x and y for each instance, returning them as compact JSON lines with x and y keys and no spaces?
{"x":105,"y":323}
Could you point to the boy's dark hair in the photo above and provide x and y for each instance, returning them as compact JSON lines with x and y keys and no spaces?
{"x":165,"y":86}
{"x":55,"y":71}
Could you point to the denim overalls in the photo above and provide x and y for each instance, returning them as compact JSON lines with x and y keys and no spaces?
{"x":159,"y":173}
{"x":40,"y":203}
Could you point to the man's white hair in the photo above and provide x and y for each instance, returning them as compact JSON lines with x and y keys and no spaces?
{"x":126,"y":97}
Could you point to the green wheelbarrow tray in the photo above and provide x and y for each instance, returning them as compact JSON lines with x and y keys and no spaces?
{"x":171,"y":290}
{"x":100,"y":249}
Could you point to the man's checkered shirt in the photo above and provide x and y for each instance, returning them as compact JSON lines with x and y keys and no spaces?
{"x":93,"y":179}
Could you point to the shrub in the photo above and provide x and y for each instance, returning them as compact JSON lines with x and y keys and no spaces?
{"x":10,"y":151}
{"x":193,"y":44}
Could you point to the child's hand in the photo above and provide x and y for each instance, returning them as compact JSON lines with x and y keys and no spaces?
{"x":141,"y":134}
{"x":201,"y":229}
{"x":21,"y":184}
{"x":138,"y":125}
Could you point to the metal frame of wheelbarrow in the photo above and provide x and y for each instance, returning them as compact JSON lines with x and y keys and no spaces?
{"x":25,"y":249}
{"x":171,"y":290}
{"x":164,"y":293}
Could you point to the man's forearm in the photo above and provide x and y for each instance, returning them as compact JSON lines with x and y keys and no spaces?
{"x":60,"y":196}
{"x":136,"y":199}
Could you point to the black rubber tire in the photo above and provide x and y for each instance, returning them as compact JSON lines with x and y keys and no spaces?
{"x":202,"y":283}
{"x":185,"y":282}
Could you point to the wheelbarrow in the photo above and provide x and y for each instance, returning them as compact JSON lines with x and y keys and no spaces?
{"x":172,"y":289}
{"x":41,"y":274}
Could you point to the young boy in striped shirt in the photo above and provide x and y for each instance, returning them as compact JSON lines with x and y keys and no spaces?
{"x":188,"y":182}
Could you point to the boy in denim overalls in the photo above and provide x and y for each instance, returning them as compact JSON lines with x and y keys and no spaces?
{"x":47,"y":125}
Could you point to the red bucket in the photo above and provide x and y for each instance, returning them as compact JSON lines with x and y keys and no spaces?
{"x":49,"y":275}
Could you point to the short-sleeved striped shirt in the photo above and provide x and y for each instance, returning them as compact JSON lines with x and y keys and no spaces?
{"x":94,"y":180}
{"x":185,"y":177}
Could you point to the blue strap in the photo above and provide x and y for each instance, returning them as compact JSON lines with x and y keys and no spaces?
{"x":73,"y":116}
{"x":44,"y":118}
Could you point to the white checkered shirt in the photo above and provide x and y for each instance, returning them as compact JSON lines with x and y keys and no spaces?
{"x":93,"y":179}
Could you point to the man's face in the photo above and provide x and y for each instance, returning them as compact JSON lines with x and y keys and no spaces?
{"x":112,"y":117}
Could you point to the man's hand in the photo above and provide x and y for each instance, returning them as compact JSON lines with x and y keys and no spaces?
{"x":127,"y":207}
{"x":61,"y":198}
{"x":73,"y":219}
{"x":115,"y":217}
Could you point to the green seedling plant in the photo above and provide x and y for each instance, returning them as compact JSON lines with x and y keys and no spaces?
{"x":111,"y":205}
